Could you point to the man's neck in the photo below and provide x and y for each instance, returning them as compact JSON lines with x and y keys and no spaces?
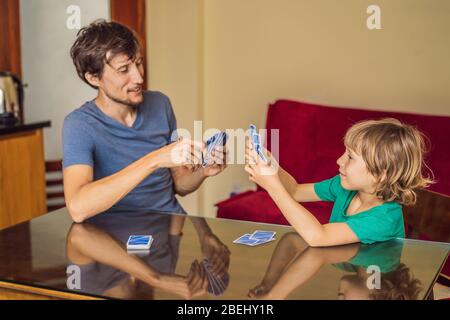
{"x":120,"y":112}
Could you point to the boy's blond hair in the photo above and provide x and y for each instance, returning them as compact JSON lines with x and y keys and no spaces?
{"x":393,"y":153}
{"x":399,"y":284}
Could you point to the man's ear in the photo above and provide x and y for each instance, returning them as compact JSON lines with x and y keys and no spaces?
{"x":92,"y":79}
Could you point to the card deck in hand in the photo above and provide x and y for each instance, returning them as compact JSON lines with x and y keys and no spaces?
{"x":256,"y":140}
{"x":219,"y":139}
{"x":216,"y":285}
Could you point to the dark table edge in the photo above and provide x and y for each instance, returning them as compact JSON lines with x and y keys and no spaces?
{"x":429,"y":294}
{"x":49,"y":289}
{"x":4,"y":130}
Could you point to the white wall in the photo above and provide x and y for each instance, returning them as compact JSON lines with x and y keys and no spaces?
{"x":174,"y":24}
{"x":54,"y":88}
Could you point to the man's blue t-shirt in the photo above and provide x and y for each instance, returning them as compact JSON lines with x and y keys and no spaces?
{"x":92,"y":138}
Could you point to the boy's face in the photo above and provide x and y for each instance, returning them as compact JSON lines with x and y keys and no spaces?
{"x":354,"y":173}
{"x":122,"y":80}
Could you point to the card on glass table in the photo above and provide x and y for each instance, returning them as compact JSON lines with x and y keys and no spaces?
{"x":139,"y":242}
{"x":263,"y":235}
{"x":245,"y":239}
{"x":262,"y":241}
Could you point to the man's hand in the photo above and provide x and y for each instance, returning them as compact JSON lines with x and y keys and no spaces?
{"x":184,"y":152}
{"x":219,"y":162}
{"x":216,"y":252}
{"x":194,"y":284}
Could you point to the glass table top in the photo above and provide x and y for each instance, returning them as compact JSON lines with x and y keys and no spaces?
{"x":203,"y":262}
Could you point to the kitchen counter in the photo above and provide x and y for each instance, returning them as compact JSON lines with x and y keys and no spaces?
{"x":22,"y":172}
{"x":23,"y":127}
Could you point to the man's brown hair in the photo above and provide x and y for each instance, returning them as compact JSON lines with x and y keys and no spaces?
{"x":98,"y":43}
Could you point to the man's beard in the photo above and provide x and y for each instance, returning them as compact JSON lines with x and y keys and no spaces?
{"x":126,"y":102}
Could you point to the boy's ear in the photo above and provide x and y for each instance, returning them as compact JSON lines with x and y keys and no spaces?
{"x":383,"y":176}
{"x":379,"y":179}
{"x":93,"y":80}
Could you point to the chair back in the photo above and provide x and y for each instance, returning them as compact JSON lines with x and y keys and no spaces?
{"x":54,"y":185}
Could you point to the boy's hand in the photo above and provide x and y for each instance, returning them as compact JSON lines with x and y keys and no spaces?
{"x":263,"y":174}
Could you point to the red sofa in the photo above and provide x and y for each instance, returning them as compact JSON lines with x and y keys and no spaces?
{"x":311,"y":140}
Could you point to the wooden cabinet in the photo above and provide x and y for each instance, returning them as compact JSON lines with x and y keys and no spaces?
{"x":22,"y":177}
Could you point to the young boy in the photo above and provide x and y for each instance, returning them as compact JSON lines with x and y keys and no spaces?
{"x":381,"y":167}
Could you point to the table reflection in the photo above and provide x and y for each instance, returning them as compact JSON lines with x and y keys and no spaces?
{"x":97,"y":252}
{"x":88,"y":259}
{"x":372,"y":271}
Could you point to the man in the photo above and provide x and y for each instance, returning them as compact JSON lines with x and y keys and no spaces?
{"x":118,"y":150}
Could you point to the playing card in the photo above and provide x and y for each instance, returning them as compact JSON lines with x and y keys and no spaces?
{"x":256,"y":238}
{"x":262,"y":241}
{"x":252,"y":129}
{"x":216,"y":285}
{"x":213,"y":287}
{"x":139,"y":242}
{"x":263,"y":235}
{"x":256,"y":140}
{"x":245,"y":239}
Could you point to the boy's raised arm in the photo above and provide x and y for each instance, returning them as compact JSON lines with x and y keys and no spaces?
{"x":303,"y":192}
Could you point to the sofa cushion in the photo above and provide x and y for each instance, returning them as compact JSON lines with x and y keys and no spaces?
{"x":258,"y":206}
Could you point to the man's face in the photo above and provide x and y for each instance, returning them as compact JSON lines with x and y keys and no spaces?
{"x":122,"y":80}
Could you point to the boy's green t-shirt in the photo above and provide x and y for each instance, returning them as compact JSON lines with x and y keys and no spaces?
{"x":380,"y":223}
{"x":385,"y":255}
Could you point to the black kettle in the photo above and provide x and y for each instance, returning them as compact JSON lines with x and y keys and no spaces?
{"x":11,"y":98}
